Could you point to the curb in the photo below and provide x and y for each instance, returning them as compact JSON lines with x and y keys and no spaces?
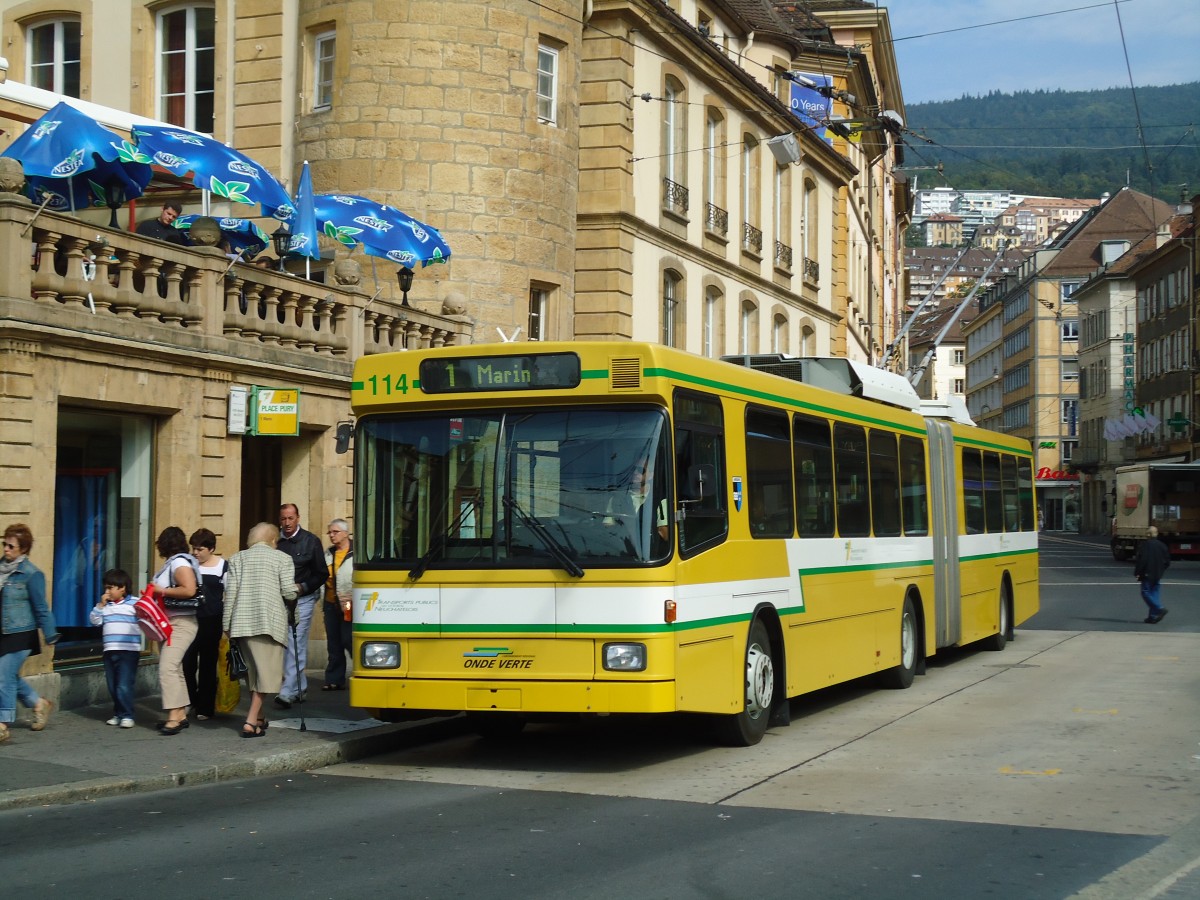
{"x":384,"y":739}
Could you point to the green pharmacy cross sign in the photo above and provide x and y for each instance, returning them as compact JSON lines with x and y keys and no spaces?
{"x":1178,"y":422}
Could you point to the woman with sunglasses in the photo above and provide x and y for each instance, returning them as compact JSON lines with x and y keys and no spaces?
{"x":23,"y":610}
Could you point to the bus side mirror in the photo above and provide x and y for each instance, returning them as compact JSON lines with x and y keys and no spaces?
{"x":342,"y":436}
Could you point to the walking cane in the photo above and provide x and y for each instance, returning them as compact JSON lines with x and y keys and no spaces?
{"x":296,"y":653}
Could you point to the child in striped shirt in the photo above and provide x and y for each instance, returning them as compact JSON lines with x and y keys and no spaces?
{"x":122,"y":643}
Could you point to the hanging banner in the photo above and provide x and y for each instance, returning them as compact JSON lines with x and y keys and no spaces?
{"x":274,"y":411}
{"x":810,"y":107}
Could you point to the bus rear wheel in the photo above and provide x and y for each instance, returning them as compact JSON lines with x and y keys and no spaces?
{"x":901,"y":676}
{"x":745,"y":729}
{"x":1000,"y":638}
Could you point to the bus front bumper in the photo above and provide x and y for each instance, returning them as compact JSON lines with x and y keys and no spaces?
{"x":435,"y":695}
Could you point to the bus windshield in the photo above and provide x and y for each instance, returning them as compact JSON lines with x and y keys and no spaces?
{"x":554,"y":488}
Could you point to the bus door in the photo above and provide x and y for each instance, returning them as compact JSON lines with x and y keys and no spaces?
{"x":943,"y":513}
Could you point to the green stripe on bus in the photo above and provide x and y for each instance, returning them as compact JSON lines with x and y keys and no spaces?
{"x":356,"y":385}
{"x":868,"y":567}
{"x":988,"y":445}
{"x":982,"y":556}
{"x":777,"y":398}
{"x":593,"y":373}
{"x":550,"y":629}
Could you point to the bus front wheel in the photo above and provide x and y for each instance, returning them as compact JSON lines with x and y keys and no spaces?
{"x":901,"y":676}
{"x":747,"y":728}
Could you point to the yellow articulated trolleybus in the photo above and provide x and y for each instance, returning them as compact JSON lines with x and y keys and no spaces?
{"x":603,"y":528}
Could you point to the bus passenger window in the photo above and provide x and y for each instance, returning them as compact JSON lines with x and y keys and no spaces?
{"x":768,"y":473}
{"x":700,"y":451}
{"x":914,"y":494}
{"x":991,"y":492}
{"x":1025,"y":493}
{"x":885,"y":484}
{"x":1009,"y":494}
{"x":814,"y":476}
{"x":853,"y":492}
{"x":972,"y":488}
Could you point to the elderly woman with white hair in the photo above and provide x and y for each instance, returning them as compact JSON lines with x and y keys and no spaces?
{"x":261,"y":581}
{"x":338,"y":638}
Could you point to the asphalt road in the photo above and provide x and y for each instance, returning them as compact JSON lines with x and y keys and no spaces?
{"x":1066,"y":765}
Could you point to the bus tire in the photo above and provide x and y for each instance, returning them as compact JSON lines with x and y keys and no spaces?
{"x":1000,"y":638}
{"x":746,"y":728}
{"x":901,"y":676}
{"x":498,"y":726}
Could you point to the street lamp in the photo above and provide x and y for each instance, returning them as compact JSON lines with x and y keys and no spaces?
{"x":405,"y":276}
{"x":281,"y":240}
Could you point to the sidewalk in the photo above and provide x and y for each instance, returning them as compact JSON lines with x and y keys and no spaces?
{"x":78,"y":757}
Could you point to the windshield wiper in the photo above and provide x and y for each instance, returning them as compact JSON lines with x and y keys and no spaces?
{"x":439,"y":544}
{"x":555,"y":548}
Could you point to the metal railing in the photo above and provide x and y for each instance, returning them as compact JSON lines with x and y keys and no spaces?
{"x":751,"y":238}
{"x":783,"y":256}
{"x":812,"y":270}
{"x":675,"y":197}
{"x":716,"y":220}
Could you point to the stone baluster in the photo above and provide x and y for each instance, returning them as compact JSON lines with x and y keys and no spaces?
{"x":127,"y":296}
{"x":412,"y":340}
{"x":152,"y":303}
{"x":272,"y":331}
{"x":74,"y":287}
{"x":370,"y":330}
{"x":250,"y":317}
{"x":172,"y":306}
{"x":439,"y":337}
{"x":308,"y":322}
{"x":103,"y":292}
{"x":323,"y":325}
{"x":290,"y":332}
{"x":231,"y":320}
{"x":341,"y":330}
{"x":45,"y":278}
{"x":193,"y":292}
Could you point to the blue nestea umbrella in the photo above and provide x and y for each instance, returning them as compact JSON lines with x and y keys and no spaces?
{"x":73,"y":161}
{"x":241,"y":234}
{"x":215,"y":168}
{"x":382,"y":230}
{"x":304,"y":223}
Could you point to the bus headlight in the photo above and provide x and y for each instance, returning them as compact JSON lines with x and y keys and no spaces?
{"x":381,"y":655}
{"x":625,"y":657}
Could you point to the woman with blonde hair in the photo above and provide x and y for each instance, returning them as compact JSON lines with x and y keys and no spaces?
{"x":260,"y":582}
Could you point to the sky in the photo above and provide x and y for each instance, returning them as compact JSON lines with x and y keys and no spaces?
{"x":1079,"y":49}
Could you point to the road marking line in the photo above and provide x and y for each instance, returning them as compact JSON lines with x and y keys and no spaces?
{"x":1097,"y":712}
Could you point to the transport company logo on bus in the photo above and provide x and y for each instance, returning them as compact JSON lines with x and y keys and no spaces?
{"x":495,"y":658}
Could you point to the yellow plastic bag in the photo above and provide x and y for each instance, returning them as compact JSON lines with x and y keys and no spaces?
{"x":229,"y":693}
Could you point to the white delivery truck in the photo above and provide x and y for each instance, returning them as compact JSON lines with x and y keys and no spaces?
{"x":1166,"y":495}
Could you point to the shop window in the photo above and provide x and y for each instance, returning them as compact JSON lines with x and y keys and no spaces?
{"x":101,"y":517}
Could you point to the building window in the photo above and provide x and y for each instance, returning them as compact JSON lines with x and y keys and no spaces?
{"x":1066,"y":291}
{"x":712,"y":298}
{"x":779,"y":341}
{"x":539,"y":303}
{"x":1070,"y":415}
{"x":959,"y":356}
{"x":1070,"y":369}
{"x":747,"y":327}
{"x":186,"y":67}
{"x":960,"y":385}
{"x":53,"y":55}
{"x":323,"y":55}
{"x":750,"y":181}
{"x":674,"y":132}
{"x":670,"y":307}
{"x":547,"y":85}
{"x":1070,"y":330}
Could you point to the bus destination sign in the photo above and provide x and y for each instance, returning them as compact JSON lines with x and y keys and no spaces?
{"x":500,"y":373}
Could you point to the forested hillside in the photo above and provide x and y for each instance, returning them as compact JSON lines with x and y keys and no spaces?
{"x":1061,"y":143}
